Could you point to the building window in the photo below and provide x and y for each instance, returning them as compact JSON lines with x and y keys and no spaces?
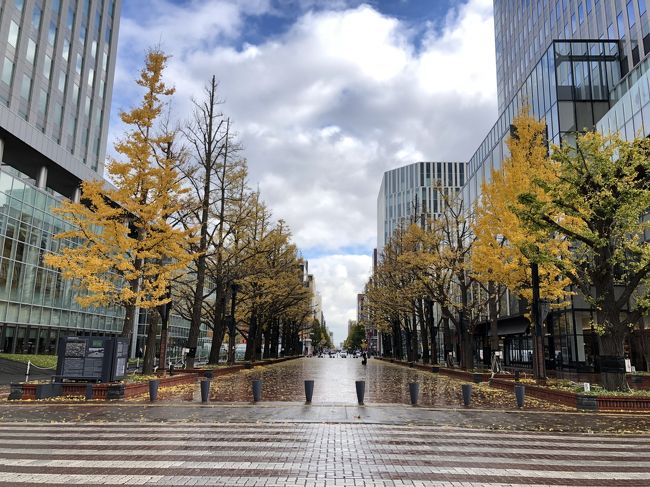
{"x":621,"y":25}
{"x":7,"y":71}
{"x":62,"y":78}
{"x":31,"y":51}
{"x":36,"y":17}
{"x":642,"y":7}
{"x":631,"y":20}
{"x":14,"y":30}
{"x":42,"y":101}
{"x":26,"y":87}
{"x":78,"y":63}
{"x":51,"y":34}
{"x":66,"y":49}
{"x":47,"y":66}
{"x":70,"y":17}
{"x":19,"y":4}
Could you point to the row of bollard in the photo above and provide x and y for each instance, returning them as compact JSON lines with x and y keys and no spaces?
{"x":360,"y":385}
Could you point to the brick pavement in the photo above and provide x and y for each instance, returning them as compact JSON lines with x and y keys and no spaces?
{"x":313,"y":454}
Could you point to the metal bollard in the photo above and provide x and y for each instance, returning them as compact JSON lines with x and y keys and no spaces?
{"x":153,"y":389}
{"x":414,"y":391}
{"x":361,"y":390}
{"x":257,"y":390}
{"x":517,"y":375}
{"x":467,"y":394}
{"x":309,"y":390}
{"x":205,"y":390}
{"x":520,"y":392}
{"x":89,"y":391}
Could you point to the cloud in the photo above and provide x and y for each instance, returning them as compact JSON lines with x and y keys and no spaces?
{"x":326,"y":105}
{"x":339,"y":277}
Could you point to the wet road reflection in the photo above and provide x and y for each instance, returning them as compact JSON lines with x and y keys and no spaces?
{"x":335,"y":384}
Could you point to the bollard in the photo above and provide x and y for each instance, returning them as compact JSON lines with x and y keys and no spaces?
{"x":257,"y":390}
{"x":517,"y":374}
{"x":414,"y":390}
{"x":205,"y":390}
{"x":467,"y":394}
{"x":89,"y":391}
{"x":361,"y":390}
{"x":520,"y":392}
{"x":208,"y":374}
{"x":309,"y":390}
{"x":153,"y":389}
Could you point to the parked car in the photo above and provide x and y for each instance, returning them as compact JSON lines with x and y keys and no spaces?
{"x":344,"y":355}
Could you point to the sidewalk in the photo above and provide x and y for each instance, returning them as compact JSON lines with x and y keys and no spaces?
{"x":286,"y":412}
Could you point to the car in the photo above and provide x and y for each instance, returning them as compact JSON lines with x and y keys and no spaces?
{"x":344,"y":355}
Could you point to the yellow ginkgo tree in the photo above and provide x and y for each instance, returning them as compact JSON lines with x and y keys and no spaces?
{"x":127,"y":251}
{"x":504,"y":248}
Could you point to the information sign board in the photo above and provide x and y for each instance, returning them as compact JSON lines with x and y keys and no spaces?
{"x":92,"y":358}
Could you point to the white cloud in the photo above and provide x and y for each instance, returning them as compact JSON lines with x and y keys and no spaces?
{"x":327,"y":106}
{"x":339,"y":278}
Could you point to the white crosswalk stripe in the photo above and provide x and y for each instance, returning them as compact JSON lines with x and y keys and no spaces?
{"x":311,"y":455}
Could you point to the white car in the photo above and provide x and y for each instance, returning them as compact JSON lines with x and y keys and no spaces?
{"x":344,"y":355}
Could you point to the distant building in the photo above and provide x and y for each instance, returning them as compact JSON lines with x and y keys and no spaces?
{"x":412,"y":193}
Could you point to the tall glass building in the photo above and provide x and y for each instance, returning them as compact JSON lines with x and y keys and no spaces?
{"x":57,"y":61}
{"x":412,"y":193}
{"x":578,"y":65}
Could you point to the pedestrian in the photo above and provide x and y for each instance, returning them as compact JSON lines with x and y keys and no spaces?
{"x":365,"y":358}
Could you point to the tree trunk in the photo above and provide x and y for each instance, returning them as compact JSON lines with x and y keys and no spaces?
{"x":468,"y":351}
{"x":152,"y":333}
{"x":424,"y":336}
{"x":267,"y":343}
{"x":129,"y":319}
{"x":249,"y":356}
{"x":218,"y":325}
{"x":275,"y":338}
{"x":446,"y":331}
{"x":430,"y":324}
{"x":612,"y":344}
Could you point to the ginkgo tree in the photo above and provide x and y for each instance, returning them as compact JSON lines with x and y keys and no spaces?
{"x":505,"y":248}
{"x":127,"y":250}
{"x":599,"y":202}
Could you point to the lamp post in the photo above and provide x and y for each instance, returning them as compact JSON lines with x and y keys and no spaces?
{"x":231,"y":324}
{"x":539,"y":364}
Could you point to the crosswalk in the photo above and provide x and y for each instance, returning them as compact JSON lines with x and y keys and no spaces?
{"x":308,"y":454}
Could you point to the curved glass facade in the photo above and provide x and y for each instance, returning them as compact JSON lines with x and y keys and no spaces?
{"x":36,"y":304}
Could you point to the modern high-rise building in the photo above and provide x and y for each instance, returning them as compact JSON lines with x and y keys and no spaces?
{"x":411,"y":193}
{"x":57,"y":61}
{"x":578,"y":65}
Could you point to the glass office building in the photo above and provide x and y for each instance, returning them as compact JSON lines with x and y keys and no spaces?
{"x":57,"y":61}
{"x":578,"y":65}
{"x":412,"y":193}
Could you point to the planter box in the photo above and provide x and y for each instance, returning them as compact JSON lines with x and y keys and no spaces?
{"x":586,"y":403}
{"x":623,"y":403}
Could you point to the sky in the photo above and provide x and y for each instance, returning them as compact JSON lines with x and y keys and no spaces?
{"x":325,"y":96}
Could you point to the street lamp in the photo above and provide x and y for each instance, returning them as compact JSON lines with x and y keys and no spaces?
{"x":539,"y":364}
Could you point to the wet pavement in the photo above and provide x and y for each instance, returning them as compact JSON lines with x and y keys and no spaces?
{"x":334,"y":383}
{"x":276,"y":412}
